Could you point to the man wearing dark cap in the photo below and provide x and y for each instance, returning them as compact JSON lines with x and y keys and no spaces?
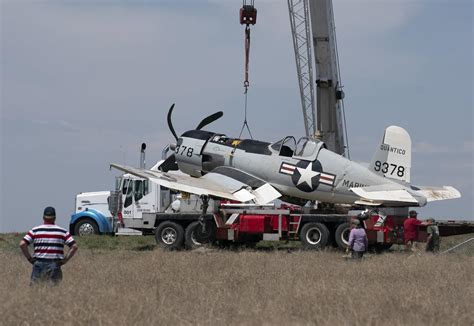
{"x":410,"y":230}
{"x":48,"y":241}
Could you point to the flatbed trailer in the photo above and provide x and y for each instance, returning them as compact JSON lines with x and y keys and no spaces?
{"x":248,"y":224}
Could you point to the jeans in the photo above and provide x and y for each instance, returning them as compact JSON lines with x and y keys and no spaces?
{"x":357,"y":254}
{"x":46,"y":271}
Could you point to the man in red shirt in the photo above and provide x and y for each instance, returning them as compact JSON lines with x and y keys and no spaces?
{"x":410,"y":230}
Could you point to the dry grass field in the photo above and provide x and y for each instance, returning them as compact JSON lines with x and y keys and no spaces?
{"x":126,"y":281}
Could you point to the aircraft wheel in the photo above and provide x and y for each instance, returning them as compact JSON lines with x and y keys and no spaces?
{"x":314,"y":236}
{"x":86,"y":227}
{"x":169,"y":235}
{"x":342,"y":235}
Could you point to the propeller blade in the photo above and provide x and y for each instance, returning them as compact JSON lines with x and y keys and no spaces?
{"x":169,"y":164}
{"x":209,"y":119}
{"x":170,"y":125}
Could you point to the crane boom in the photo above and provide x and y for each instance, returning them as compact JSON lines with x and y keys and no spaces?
{"x":326,"y":121}
{"x":301,"y":32}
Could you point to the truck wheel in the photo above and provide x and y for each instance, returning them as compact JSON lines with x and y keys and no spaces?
{"x":169,"y":235}
{"x":194,"y":236}
{"x":86,"y":227}
{"x":314,"y":236}
{"x":342,"y":235}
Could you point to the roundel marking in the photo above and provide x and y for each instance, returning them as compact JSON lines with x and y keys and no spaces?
{"x":306,"y":176}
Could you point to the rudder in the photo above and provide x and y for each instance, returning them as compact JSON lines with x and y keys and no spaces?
{"x":393,"y":156}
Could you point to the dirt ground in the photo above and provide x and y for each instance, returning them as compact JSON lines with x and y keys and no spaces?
{"x":143,"y":285}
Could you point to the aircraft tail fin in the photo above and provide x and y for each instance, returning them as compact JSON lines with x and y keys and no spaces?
{"x":393,"y":156}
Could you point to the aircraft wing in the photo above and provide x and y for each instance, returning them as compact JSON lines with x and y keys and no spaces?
{"x":211,"y":184}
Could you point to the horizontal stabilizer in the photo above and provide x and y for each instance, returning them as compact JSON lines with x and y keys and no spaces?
{"x":386,"y":195}
{"x":399,"y":195}
{"x":366,"y":203}
{"x":439,"y":193}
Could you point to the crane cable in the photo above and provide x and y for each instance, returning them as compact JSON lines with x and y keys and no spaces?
{"x":248,"y":16}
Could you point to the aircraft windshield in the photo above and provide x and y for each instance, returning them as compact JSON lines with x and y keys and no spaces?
{"x":285,"y":146}
{"x":305,"y":147}
{"x":277,"y":145}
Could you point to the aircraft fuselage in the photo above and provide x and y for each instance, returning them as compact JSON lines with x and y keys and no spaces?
{"x":319,"y":174}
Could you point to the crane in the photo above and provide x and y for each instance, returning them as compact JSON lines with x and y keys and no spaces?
{"x":313,"y":28}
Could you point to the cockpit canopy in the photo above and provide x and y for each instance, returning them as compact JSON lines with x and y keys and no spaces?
{"x":304,"y":149}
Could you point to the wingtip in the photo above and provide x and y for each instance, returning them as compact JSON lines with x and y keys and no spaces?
{"x":455,"y":193}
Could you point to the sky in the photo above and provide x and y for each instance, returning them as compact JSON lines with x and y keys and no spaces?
{"x":85,"y":82}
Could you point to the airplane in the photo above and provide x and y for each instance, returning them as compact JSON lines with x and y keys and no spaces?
{"x":214,"y":165}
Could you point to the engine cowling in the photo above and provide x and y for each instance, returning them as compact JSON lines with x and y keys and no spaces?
{"x":188,"y":151}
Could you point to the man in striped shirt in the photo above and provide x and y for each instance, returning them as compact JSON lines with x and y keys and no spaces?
{"x":48,"y":241}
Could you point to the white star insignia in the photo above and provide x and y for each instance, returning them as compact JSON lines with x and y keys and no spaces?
{"x":306,"y":175}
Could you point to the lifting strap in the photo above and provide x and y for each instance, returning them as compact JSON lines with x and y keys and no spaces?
{"x":248,"y":16}
{"x":247,"y":52}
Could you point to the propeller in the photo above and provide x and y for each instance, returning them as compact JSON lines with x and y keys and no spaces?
{"x":170,"y":162}
{"x":170,"y":124}
{"x":210,"y":119}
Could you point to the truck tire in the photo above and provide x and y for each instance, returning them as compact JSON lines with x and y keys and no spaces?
{"x":195,"y":238}
{"x":342,"y":235}
{"x":314,"y":236}
{"x":169,"y":235}
{"x":86,"y":227}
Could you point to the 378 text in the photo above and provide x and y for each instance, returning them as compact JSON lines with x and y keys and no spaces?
{"x":184,"y":150}
{"x":393,"y":168}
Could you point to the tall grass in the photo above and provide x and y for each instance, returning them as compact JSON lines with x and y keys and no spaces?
{"x":118,"y":287}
